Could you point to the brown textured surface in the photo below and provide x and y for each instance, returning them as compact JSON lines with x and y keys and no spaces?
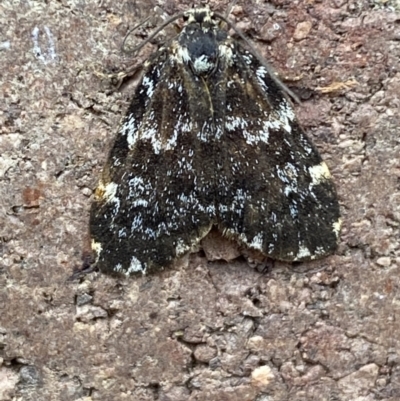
{"x":207,"y":331}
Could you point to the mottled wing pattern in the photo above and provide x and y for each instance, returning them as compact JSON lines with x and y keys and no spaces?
{"x":210,"y":140}
{"x":275,"y":194}
{"x":155,"y":199}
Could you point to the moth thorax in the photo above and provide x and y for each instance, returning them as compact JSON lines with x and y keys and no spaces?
{"x":203,"y":52}
{"x":203,"y":65}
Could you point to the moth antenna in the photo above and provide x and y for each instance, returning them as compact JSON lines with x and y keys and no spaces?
{"x":230,"y":7}
{"x":260,"y":58}
{"x":130,"y":32}
{"x":153,"y":35}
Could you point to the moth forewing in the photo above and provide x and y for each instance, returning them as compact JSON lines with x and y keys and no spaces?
{"x":210,"y":140}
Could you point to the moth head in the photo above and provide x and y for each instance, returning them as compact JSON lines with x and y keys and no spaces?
{"x":202,"y":16}
{"x":199,"y":41}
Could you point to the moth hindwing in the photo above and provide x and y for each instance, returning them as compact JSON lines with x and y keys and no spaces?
{"x":210,"y":140}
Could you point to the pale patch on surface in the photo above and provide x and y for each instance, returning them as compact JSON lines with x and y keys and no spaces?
{"x":110,"y":194}
{"x":248,"y":58}
{"x":49,"y":55}
{"x":304,"y":252}
{"x":5,"y":45}
{"x":226,"y":53}
{"x":262,"y":376}
{"x":206,"y":133}
{"x":129,"y":129}
{"x":294,"y":212}
{"x":252,"y":137}
{"x":140,"y":196}
{"x":180,"y":54}
{"x":288,"y":175}
{"x":319,"y":173}
{"x":137,"y":223}
{"x":179,"y":129}
{"x":319,"y":251}
{"x":107,"y":192}
{"x":286,"y":115}
{"x":118,"y":268}
{"x":135,"y":266}
{"x":149,"y":84}
{"x":96,"y":247}
{"x":122,"y":233}
{"x":261,"y":71}
{"x":140,"y":202}
{"x":242,"y":237}
{"x":337,"y":226}
{"x":285,"y":111}
{"x":181,"y":248}
{"x":257,"y":242}
{"x":239,"y":201}
{"x":229,"y":233}
{"x":202,"y":64}
{"x":138,"y":188}
{"x":152,"y":132}
{"x":171,"y":143}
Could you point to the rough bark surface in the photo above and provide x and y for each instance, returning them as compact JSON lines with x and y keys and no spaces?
{"x":211,"y":330}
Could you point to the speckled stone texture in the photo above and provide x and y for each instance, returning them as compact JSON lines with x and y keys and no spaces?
{"x":207,"y":329}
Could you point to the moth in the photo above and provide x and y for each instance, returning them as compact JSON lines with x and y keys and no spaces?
{"x":210,"y":139}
